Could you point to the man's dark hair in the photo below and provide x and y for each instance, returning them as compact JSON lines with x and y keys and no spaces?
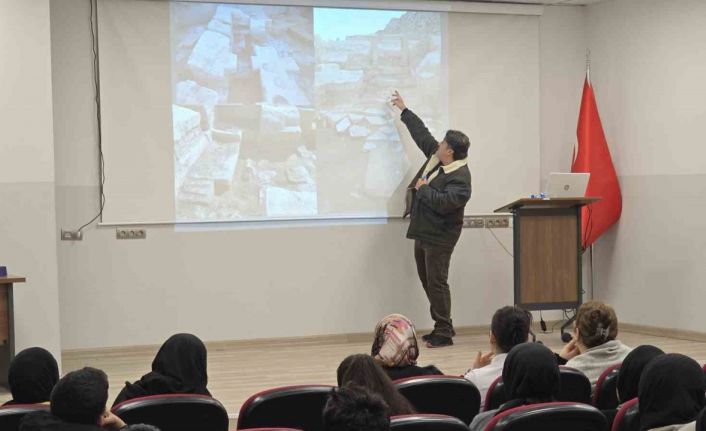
{"x":80,"y":396}
{"x":141,"y":427}
{"x":352,"y":408}
{"x":459,"y":143}
{"x":510,"y":326}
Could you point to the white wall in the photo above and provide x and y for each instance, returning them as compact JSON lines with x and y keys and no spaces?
{"x":27,"y":219}
{"x":648,"y":69}
{"x":261,"y":281}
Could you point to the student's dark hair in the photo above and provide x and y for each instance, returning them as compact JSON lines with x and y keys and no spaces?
{"x":596,"y":323}
{"x":362,"y":370}
{"x":352,"y":408}
{"x":80,"y":396}
{"x":459,"y":143}
{"x":510,"y":326}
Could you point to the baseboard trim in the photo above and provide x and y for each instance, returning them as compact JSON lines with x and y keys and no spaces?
{"x":657,"y":331}
{"x":361,"y":337}
{"x":356,"y":337}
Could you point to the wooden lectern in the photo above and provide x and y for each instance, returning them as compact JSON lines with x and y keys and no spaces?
{"x":7,"y":330}
{"x":547,"y":252}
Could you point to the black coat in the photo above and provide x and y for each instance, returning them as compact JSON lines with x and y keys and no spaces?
{"x":45,"y":421}
{"x":396,"y":373}
{"x":436,"y":210}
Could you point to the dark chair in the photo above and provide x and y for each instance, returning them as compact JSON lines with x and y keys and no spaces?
{"x":575,"y":386}
{"x":495,"y":397}
{"x":10,"y":416}
{"x":628,"y":416}
{"x":558,"y":416}
{"x":422,"y":422}
{"x":298,"y":407}
{"x":270,"y":429}
{"x":444,"y":395}
{"x":605,"y":395}
{"x":174,"y":412}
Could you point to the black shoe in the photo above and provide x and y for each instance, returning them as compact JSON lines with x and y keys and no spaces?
{"x":428,"y":336}
{"x":439,"y":341}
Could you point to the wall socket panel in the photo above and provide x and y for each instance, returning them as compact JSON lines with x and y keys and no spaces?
{"x":130,"y":233}
{"x":71,"y":235}
{"x":488,"y":222}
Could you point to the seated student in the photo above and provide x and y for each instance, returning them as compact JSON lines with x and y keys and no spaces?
{"x":631,"y":370}
{"x":509,"y":327}
{"x":362,"y":371}
{"x":629,"y":376}
{"x":594,"y":346}
{"x":32,"y":375}
{"x":395,"y":348}
{"x":78,"y":403}
{"x":671,"y":393}
{"x":531,"y":376}
{"x":352,"y":408}
{"x":178,"y":368}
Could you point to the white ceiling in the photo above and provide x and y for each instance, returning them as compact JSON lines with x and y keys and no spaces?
{"x":545,"y":2}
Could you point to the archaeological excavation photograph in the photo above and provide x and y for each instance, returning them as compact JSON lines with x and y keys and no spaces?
{"x":282,"y":112}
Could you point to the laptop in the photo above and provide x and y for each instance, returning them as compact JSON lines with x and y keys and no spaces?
{"x":566,"y":185}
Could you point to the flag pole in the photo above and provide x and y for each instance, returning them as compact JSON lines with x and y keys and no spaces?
{"x":588,"y":65}
{"x":590,"y":257}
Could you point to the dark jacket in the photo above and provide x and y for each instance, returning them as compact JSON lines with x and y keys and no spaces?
{"x":436,"y":209}
{"x":396,"y":373}
{"x":45,"y":421}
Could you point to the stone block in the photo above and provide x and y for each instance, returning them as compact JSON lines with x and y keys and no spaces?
{"x":211,"y":59}
{"x":278,"y":117}
{"x":190,"y":93}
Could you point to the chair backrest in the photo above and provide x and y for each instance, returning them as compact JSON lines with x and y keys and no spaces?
{"x":495,"y":397}
{"x":298,"y":407}
{"x":628,"y":416}
{"x":559,"y":416}
{"x":175,"y":412}
{"x":575,"y":386}
{"x":426,"y":422}
{"x":444,"y":395}
{"x":605,"y":395}
{"x":10,"y":416}
{"x":270,"y":429}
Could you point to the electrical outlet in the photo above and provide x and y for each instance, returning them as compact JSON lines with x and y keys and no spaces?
{"x":130,"y":233}
{"x":71,"y":235}
{"x":473,"y":222}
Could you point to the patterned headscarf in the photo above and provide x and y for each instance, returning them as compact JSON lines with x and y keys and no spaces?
{"x":395,"y":342}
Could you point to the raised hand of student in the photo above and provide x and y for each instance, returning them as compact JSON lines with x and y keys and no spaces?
{"x":482,"y":360}
{"x":570,"y":351}
{"x":111,"y":422}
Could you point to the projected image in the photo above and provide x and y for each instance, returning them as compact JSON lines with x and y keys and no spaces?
{"x":280,"y":112}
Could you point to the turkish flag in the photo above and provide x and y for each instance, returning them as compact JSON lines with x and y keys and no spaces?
{"x":592,"y":156}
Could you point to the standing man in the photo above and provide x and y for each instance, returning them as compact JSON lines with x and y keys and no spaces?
{"x":436,"y":198}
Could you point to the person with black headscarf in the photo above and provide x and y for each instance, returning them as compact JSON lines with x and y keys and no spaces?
{"x":632,"y":368}
{"x":178,"y":368}
{"x":31,"y":376}
{"x":671,"y":393}
{"x":530,"y":376}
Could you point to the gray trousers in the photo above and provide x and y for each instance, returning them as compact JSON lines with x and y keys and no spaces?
{"x":433,"y":269}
